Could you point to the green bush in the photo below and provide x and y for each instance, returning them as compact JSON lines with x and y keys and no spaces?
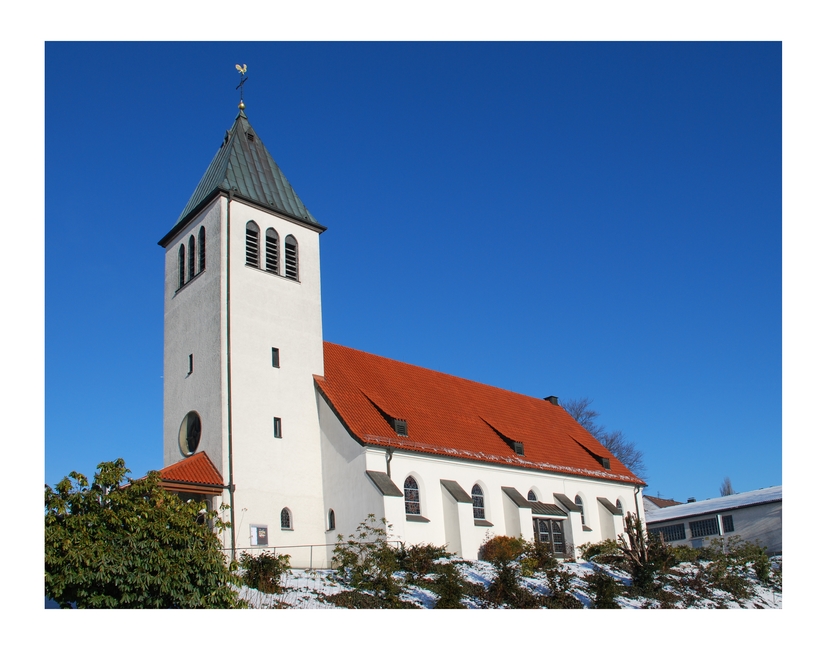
{"x":501,"y":550}
{"x":558,"y":581}
{"x":264,"y":571}
{"x":606,"y":548}
{"x":449,"y":586}
{"x":603,"y":589}
{"x":418,"y":560}
{"x":366,"y":561}
{"x":536,"y":556}
{"x":122,"y":544}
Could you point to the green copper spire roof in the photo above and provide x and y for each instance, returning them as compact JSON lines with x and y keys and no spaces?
{"x":244,"y":166}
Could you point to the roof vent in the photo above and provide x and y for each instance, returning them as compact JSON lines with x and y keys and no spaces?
{"x":691,"y":500}
{"x":251,"y":137}
{"x":606,"y":463}
{"x":552,"y":399}
{"x":518,"y":449}
{"x":401,"y":427}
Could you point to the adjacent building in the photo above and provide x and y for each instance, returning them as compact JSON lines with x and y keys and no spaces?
{"x":754,"y":516}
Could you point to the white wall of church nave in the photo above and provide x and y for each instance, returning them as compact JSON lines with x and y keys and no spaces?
{"x":429,"y":470}
{"x":270,"y":311}
{"x":193,"y":326}
{"x":347,"y":489}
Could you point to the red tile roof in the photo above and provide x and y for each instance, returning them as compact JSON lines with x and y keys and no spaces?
{"x":450,"y":416}
{"x":193,"y":474}
{"x":662,"y":503}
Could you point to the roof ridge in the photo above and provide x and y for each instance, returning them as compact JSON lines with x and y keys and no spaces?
{"x":438,"y":372}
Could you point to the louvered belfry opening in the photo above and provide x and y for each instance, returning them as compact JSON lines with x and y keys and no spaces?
{"x":271,"y":251}
{"x":182,"y":278}
{"x":291,"y":258}
{"x":252,"y":244}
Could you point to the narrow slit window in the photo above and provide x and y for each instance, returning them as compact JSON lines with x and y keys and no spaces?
{"x":277,"y":427}
{"x":252,"y":244}
{"x":331,"y":520}
{"x":291,"y":258}
{"x":202,"y":249}
{"x":192,"y":258}
{"x":276,"y":358}
{"x":271,"y":251}
{"x":189,"y":365}
{"x":182,"y":254}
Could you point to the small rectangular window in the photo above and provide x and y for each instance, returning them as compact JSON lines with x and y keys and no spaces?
{"x":258,"y":535}
{"x":189,"y":366}
{"x":276,"y":358}
{"x":277,"y":427}
{"x":729,"y":526}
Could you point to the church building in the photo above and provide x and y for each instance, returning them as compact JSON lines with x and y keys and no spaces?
{"x":302,"y":439}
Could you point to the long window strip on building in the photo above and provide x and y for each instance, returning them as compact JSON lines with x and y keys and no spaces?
{"x":704,"y":527}
{"x":411,"y":496}
{"x":670,"y":533}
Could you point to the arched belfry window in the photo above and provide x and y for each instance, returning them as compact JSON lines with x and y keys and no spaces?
{"x":182,"y":261}
{"x":202,"y":249}
{"x":286,"y":519}
{"x":291,"y":257}
{"x":252,"y":244}
{"x":478,"y":502}
{"x":271,"y":251}
{"x":191,"y":258}
{"x":412,"y":497}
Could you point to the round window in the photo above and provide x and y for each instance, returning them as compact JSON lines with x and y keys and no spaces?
{"x":189,"y":435}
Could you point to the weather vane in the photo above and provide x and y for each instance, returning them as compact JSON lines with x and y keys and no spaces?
{"x":242,"y":70}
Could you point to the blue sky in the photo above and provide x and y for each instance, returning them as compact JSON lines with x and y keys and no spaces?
{"x":575,"y":219}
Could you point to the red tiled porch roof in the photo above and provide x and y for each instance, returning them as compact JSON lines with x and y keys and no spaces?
{"x":450,"y":416}
{"x":193,"y":474}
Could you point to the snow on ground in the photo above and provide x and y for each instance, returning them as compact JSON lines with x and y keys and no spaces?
{"x":306,"y":589}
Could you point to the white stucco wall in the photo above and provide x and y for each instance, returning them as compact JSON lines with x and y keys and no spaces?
{"x":264,"y":311}
{"x":353,"y":496}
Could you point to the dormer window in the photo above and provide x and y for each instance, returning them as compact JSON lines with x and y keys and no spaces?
{"x":401,"y":427}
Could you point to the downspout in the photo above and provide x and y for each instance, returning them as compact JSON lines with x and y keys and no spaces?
{"x":230,"y":392}
{"x":388,"y":457}
{"x":637,"y":505}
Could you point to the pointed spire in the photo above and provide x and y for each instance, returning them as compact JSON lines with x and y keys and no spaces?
{"x":244,"y":165}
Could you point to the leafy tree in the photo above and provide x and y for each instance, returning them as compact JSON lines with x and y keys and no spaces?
{"x":616,"y":442}
{"x":726,"y":487}
{"x":118,"y":543}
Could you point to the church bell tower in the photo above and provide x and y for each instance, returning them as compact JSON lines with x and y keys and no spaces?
{"x":242,"y":341}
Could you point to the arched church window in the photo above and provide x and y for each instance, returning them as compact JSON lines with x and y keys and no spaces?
{"x":331,"y":520}
{"x":291,"y":257}
{"x":411,"y":496}
{"x":579,"y":502}
{"x":531,"y":496}
{"x":271,"y":251}
{"x":286,"y":519}
{"x":182,"y":254}
{"x":252,"y":244}
{"x":619,"y":506}
{"x":189,"y":434}
{"x":478,"y":502}
{"x":202,"y":249}
{"x":191,"y":258}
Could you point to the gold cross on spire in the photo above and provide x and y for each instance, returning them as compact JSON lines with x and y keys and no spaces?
{"x":242,"y":70}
